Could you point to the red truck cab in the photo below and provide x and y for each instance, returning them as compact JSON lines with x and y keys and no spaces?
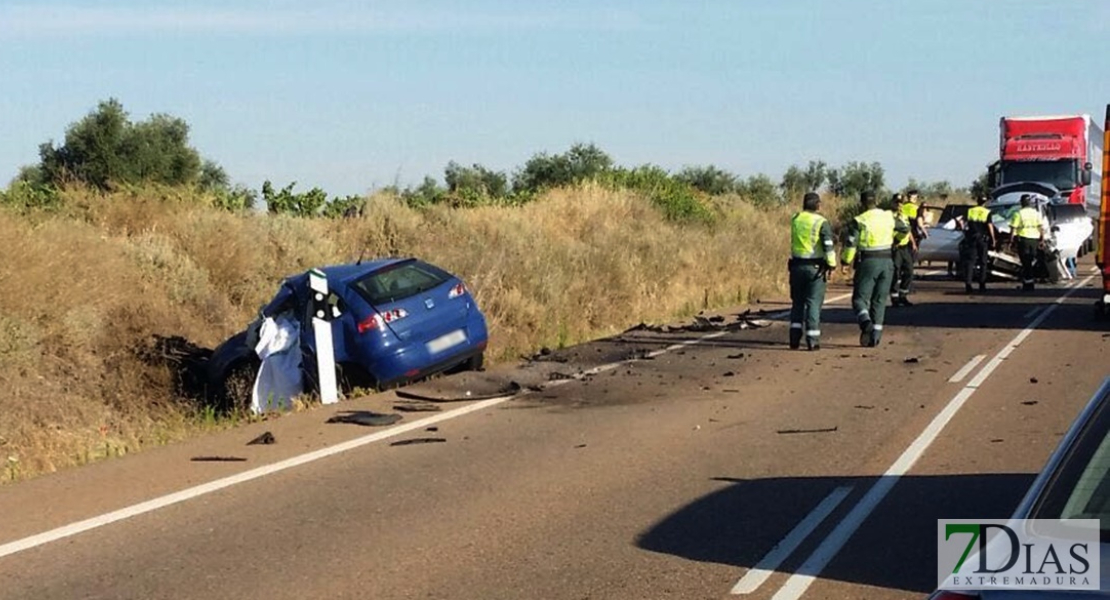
{"x":1058,"y":150}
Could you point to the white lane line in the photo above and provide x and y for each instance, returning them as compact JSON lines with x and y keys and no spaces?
{"x":219,"y":484}
{"x":763,"y":570}
{"x":786,"y":313}
{"x":966,"y":369}
{"x":807,"y":573}
{"x":1033,"y":311}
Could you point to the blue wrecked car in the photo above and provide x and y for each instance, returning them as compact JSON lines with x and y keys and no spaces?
{"x":400,"y":320}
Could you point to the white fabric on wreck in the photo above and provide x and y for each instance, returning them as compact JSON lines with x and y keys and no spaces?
{"x":279,"y":378}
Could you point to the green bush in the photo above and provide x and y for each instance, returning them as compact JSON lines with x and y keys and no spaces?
{"x":286,"y":202}
{"x":710,"y":180}
{"x":25,"y":195}
{"x":582,"y":162}
{"x":678,"y":200}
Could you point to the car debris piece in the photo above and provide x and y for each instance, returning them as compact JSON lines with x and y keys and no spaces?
{"x":218,"y":459}
{"x":365,"y":417}
{"x":417,"y":407}
{"x":423,"y":440}
{"x":265,"y":438}
{"x":818,"y":430}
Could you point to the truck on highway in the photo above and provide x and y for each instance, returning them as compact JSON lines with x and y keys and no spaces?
{"x":1060,"y":151}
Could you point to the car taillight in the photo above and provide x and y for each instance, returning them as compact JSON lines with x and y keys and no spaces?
{"x":945,"y":595}
{"x":457,"y":291}
{"x":378,"y":321}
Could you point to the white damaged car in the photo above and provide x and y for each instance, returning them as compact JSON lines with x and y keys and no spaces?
{"x":1070,"y":230}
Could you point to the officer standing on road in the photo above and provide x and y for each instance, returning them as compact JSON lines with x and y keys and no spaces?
{"x":872,"y":233}
{"x":905,"y":249}
{"x":811,"y":258}
{"x":1027,"y":231}
{"x":979,"y":236}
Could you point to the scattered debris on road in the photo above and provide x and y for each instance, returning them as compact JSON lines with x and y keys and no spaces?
{"x":911,"y":360}
{"x":432,"y":429}
{"x":1029,"y":403}
{"x":218,"y":459}
{"x":365,"y":417}
{"x":417,"y":406}
{"x":729,"y":374}
{"x":863,"y":407}
{"x":580,"y":446}
{"x":736,"y":356}
{"x":265,"y":438}
{"x":997,"y":440}
{"x":423,"y":440}
{"x":1032,"y":380}
{"x":818,"y":430}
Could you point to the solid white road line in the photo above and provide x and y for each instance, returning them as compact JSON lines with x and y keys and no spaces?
{"x":807,"y":573}
{"x":219,"y":484}
{"x":966,"y":369}
{"x":1033,"y":311}
{"x":763,"y":570}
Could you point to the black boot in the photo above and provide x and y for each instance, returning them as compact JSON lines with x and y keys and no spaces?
{"x":795,"y":338}
{"x":865,"y":331}
{"x":967,"y":288}
{"x":813,"y":344}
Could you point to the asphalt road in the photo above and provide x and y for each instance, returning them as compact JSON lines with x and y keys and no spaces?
{"x":672,"y":469}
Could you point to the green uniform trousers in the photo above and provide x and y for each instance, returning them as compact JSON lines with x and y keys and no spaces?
{"x":807,"y":294}
{"x":903,"y":271}
{"x":1027,"y":252}
{"x":870,"y":293}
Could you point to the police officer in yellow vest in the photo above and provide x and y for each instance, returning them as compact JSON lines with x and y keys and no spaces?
{"x":872,"y":235}
{"x":904,"y":252}
{"x":1027,"y":231}
{"x":979,"y":236}
{"x":811,"y":258}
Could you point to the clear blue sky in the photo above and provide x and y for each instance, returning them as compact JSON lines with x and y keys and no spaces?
{"x":353,"y":95}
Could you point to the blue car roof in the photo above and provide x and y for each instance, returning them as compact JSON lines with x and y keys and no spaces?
{"x":350,"y":272}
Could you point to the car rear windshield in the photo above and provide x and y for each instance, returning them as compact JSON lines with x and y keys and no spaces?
{"x":1081,"y":487}
{"x":400,"y":282}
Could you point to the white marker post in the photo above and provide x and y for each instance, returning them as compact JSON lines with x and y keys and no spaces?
{"x":321,"y":327}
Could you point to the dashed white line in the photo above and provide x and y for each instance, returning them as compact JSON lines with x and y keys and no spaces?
{"x":808,"y":572}
{"x":1033,"y":311}
{"x":966,"y":369}
{"x":763,"y":570}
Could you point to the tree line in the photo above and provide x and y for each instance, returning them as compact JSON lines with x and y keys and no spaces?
{"x":106,"y":149}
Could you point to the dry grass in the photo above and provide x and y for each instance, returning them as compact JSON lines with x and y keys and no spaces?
{"x":84,"y":289}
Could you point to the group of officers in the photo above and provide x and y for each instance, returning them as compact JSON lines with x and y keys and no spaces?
{"x":881,"y":245}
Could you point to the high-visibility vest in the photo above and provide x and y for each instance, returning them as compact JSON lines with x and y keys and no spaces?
{"x":978,"y":214}
{"x":875,"y":233}
{"x":903,"y":239}
{"x":805,"y":236}
{"x":1026,"y":223}
{"x":876,"y":229}
{"x":978,"y":224}
{"x":909,"y":210}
